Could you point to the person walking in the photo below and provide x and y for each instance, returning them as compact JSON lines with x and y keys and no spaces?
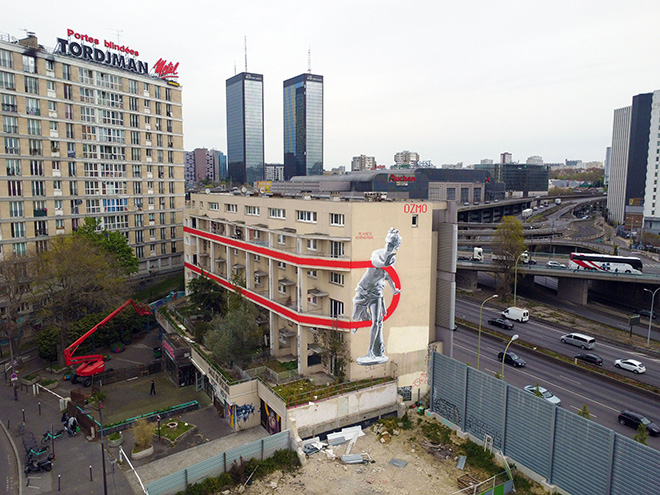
{"x":153,"y":388}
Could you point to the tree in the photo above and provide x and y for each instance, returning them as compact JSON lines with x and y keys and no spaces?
{"x":537,"y":391}
{"x":207,"y":294}
{"x":334,"y":352}
{"x":509,"y":244}
{"x":75,"y":278}
{"x":17,"y":274}
{"x":112,"y":242}
{"x":641,"y":435}
{"x":235,"y":335}
{"x":584,"y":412}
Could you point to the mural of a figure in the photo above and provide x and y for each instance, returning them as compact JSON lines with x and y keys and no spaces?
{"x":369,"y":302}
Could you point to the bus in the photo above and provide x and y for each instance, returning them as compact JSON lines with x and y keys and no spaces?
{"x":605,"y":263}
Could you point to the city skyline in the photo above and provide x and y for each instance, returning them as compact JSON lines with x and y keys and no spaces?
{"x":456,"y":83}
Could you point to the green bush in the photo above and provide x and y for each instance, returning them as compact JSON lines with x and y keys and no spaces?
{"x":479,"y":458}
{"x":437,"y":433}
{"x":114,"y":436}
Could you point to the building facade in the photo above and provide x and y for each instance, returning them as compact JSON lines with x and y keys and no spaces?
{"x":362,"y":162}
{"x":528,"y":179}
{"x":409,"y":158}
{"x":303,"y":125}
{"x":204,"y":164}
{"x":307,"y":262}
{"x":245,"y":128}
{"x":90,"y":133}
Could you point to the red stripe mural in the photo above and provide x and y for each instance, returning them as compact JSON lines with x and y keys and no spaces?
{"x":300,"y":261}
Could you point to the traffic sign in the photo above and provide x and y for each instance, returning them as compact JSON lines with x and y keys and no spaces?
{"x":14,"y":377}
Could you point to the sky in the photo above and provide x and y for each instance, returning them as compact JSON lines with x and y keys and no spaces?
{"x":453,"y":81}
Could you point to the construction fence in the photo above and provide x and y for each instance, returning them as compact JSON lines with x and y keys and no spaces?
{"x":576,"y":454}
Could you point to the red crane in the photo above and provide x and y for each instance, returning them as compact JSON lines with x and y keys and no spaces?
{"x":94,"y":363}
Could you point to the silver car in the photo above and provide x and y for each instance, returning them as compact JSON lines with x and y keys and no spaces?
{"x":544,"y":393}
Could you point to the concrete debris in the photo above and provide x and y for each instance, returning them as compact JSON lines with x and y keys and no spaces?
{"x":395,"y":432}
{"x":398,"y":462}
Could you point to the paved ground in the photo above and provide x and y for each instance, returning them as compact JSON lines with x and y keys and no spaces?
{"x":75,"y":455}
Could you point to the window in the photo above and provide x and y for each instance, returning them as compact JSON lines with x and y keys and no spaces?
{"x":8,"y":101}
{"x":52,"y":108}
{"x":168,"y":94}
{"x":277,"y":213}
{"x":281,"y":265}
{"x":15,"y":209}
{"x":336,"y":308}
{"x":135,"y":137}
{"x":57,"y":186}
{"x":20,"y":248}
{"x":32,"y":106}
{"x":311,"y":244}
{"x":18,"y":230}
{"x":337,"y":219}
{"x":451,"y":194}
{"x":32,"y":85}
{"x":13,"y":167}
{"x":311,"y":273}
{"x":158,"y":110}
{"x":214,"y":206}
{"x":68,"y":111}
{"x":336,"y":278}
{"x":139,"y":251}
{"x":72,"y":169}
{"x":68,"y":92}
{"x":36,"y":167}
{"x":29,"y":64}
{"x":415,"y":220}
{"x":70,"y":133}
{"x":38,"y":188}
{"x":134,"y":120}
{"x":136,"y":154}
{"x":306,"y":216}
{"x":66,"y":72}
{"x":7,"y":80}
{"x":157,"y":91}
{"x":11,"y":146}
{"x":281,"y":288}
{"x":6,"y":59}
{"x":231,"y":208}
{"x":132,"y":86}
{"x":14,"y":188}
{"x":257,"y":258}
{"x":336,"y":249}
{"x":34,"y":127}
{"x":85,"y":76}
{"x":281,"y":239}
{"x":10,"y":124}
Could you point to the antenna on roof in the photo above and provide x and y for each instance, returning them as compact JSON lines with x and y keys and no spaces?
{"x":118,"y":31}
{"x":234,"y":67}
{"x":245,"y":40}
{"x":309,"y":60}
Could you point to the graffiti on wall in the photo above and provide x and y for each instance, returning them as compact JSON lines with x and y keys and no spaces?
{"x":270,"y":419}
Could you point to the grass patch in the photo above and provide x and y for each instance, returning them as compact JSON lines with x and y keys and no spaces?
{"x":279,"y":367}
{"x":45,"y":383}
{"x":30,"y":377}
{"x":173,"y":433}
{"x":161,"y":289}
{"x":437,"y":432}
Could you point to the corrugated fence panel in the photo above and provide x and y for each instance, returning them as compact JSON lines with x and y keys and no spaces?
{"x":529,"y":422}
{"x":448,"y":390}
{"x":215,"y":466}
{"x":635,"y":461}
{"x":581,"y":446}
{"x":485,"y":406}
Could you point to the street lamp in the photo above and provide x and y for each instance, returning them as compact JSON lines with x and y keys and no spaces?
{"x":515,"y":277}
{"x":648,"y":338}
{"x":515,"y":337}
{"x":479,"y":339}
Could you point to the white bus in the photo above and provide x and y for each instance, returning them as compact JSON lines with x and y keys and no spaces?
{"x":605,"y":263}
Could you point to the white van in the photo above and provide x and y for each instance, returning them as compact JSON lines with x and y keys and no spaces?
{"x":518,"y":314}
{"x":579,"y":340}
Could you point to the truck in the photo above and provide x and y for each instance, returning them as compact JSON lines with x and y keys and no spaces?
{"x":478,"y":254}
{"x":515,"y":313}
{"x":94,"y":364}
{"x":525,"y":257}
{"x":527,"y":212}
{"x":557,"y":201}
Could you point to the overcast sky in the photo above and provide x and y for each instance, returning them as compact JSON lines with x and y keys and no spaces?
{"x":454,"y":81}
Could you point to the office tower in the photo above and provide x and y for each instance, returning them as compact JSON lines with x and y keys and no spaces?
{"x":606,"y":165}
{"x":303,"y":126}
{"x":245,"y":128}
{"x":631,"y":195}
{"x":90,"y":133}
{"x":506,"y":157}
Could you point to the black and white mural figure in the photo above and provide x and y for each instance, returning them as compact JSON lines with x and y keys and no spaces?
{"x":369,"y":302}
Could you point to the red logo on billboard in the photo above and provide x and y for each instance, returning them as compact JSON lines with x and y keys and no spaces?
{"x":166,"y":70}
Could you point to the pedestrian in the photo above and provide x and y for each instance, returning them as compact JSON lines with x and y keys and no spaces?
{"x":153,"y":388}
{"x":72,"y":426}
{"x":65,"y":418}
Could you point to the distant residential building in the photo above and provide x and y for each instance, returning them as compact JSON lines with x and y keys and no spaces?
{"x":406,"y":158}
{"x":336,"y":171}
{"x":486,"y":161}
{"x":363,"y":162}
{"x":303,"y":125}
{"x":203,"y":164}
{"x":534,"y":160}
{"x":506,"y":157}
{"x":245,"y":128}
{"x":274,"y":171}
{"x":573,"y":163}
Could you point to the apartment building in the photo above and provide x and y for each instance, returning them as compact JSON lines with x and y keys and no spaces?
{"x":90,"y":130}
{"x":306,"y":264}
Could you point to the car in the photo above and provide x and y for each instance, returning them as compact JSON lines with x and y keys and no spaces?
{"x":501,"y":322}
{"x":634,"y":419}
{"x":646,"y":312}
{"x":512,"y":359}
{"x":544,"y":393}
{"x":590,"y":358}
{"x":555,"y":264}
{"x":630,"y":365}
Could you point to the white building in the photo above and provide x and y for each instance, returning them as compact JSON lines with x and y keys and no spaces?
{"x":363,"y":162}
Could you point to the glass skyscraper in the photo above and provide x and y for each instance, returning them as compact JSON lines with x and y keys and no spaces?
{"x":245,"y":128}
{"x":303,"y":126}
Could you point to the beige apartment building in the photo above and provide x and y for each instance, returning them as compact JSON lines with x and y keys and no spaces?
{"x":90,"y":130}
{"x":312,"y":264}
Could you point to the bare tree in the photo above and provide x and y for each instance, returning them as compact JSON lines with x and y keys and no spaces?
{"x":17,"y":274}
{"x":509,"y":244}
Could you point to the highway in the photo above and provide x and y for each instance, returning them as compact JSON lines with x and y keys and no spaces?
{"x":573,"y":385}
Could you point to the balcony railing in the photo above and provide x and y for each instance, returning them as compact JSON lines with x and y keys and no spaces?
{"x":42,"y":212}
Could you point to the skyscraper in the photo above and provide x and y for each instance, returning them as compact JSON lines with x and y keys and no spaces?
{"x":245,"y":127}
{"x":303,"y":126}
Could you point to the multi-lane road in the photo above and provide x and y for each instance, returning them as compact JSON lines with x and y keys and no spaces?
{"x":575,"y":386}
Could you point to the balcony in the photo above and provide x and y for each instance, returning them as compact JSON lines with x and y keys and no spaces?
{"x":60,"y":211}
{"x":42,"y":212}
